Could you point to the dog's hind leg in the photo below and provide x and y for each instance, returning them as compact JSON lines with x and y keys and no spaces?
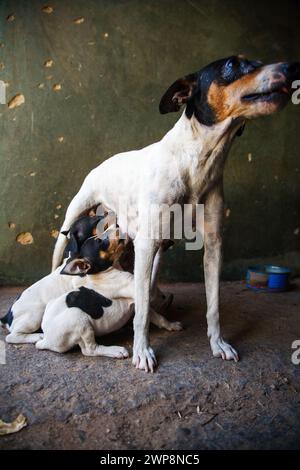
{"x":161,"y":322}
{"x":24,"y":330}
{"x":23,"y":338}
{"x":156,"y":266}
{"x":89,"y":347}
{"x":213,"y":217}
{"x":84,"y":200}
{"x":159,"y":301}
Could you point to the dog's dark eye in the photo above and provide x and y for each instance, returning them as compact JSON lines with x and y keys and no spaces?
{"x":230,"y":68}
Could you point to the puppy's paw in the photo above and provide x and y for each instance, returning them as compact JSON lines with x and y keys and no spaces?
{"x":118,"y":352}
{"x":23,"y":338}
{"x":41,"y":344}
{"x":222,"y":349}
{"x":175,"y":326}
{"x":144,"y":359}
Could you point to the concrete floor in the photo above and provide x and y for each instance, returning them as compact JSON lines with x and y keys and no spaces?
{"x":193,"y":401}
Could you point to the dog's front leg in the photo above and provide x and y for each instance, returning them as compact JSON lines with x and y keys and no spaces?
{"x":143,"y":355}
{"x":213,"y":218}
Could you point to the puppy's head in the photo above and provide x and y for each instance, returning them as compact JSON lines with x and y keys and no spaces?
{"x":82,"y":229}
{"x":96,"y":254}
{"x":232,"y":87}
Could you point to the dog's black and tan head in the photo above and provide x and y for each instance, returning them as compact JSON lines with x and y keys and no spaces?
{"x":96,"y":254}
{"x":81,"y":230}
{"x":232,"y":87}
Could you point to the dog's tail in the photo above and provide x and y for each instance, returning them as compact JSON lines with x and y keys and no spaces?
{"x":83,"y":201}
{"x":7,"y":319}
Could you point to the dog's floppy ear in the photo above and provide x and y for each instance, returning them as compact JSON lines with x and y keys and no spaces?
{"x":77,"y":267}
{"x":178,"y":94}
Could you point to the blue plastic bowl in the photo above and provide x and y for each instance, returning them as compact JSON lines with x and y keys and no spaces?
{"x":268,"y":278}
{"x":278,"y":278}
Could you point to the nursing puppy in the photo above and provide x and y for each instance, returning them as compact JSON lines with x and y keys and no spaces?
{"x":81,"y":230}
{"x":103,"y":305}
{"x":25,"y":316}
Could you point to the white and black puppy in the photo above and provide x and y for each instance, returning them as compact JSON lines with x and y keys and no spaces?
{"x":103,"y":305}
{"x":24,"y":318}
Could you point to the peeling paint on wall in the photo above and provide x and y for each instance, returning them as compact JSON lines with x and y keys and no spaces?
{"x":25,"y":238}
{"x":16,"y":101}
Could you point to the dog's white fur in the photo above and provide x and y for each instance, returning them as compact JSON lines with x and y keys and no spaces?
{"x":188,"y":161}
{"x":65,"y":327}
{"x":28,"y":310}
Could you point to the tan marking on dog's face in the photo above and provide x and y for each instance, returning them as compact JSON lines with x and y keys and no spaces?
{"x":228,"y":100}
{"x":114,"y":250}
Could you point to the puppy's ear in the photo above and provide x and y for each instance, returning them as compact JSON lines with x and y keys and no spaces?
{"x":77,"y":267}
{"x":178,"y":94}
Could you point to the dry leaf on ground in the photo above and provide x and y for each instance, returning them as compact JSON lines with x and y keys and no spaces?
{"x":8,"y":428}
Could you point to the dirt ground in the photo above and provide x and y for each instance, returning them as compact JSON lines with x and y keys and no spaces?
{"x":193,"y":401}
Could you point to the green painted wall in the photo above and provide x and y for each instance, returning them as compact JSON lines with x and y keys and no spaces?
{"x":113,"y":68}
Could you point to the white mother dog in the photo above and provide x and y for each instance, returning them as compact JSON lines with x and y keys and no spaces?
{"x":185,"y":166}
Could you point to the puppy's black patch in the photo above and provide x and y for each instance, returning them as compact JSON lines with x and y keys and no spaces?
{"x":8,"y":319}
{"x":89,"y":301}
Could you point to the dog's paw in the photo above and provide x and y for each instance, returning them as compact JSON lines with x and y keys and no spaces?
{"x":175,"y":326}
{"x":222,"y":349}
{"x":144,"y":359}
{"x":118,"y":352}
{"x":41,"y":344}
{"x":23,"y":338}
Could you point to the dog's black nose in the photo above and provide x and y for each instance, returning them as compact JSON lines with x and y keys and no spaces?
{"x":291,"y":69}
